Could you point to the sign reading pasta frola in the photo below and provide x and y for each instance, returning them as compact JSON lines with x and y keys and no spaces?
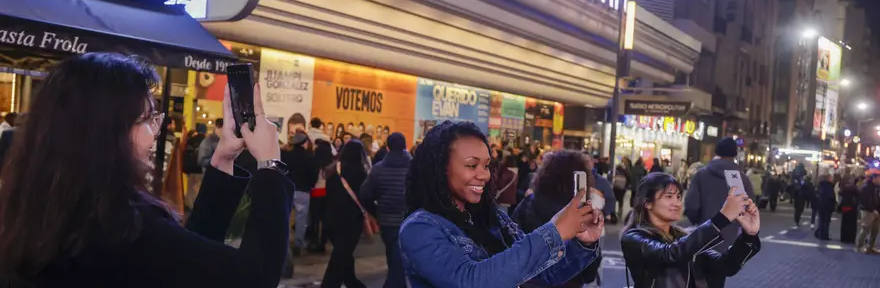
{"x":656,"y":108}
{"x":286,"y":86}
{"x":436,"y":100}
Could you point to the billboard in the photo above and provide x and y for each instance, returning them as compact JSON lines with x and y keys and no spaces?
{"x":828,"y":64}
{"x":360,"y":99}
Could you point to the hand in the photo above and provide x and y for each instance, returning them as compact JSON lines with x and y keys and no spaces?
{"x":594,"y":228}
{"x":734,"y":205}
{"x":750,"y":219}
{"x":229,"y":146}
{"x":263,"y":141}
{"x":574,"y":218}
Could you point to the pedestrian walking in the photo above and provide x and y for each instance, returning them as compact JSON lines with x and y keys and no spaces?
{"x":552,"y":192}
{"x":76,"y":220}
{"x":304,"y":175}
{"x":658,"y":253}
{"x":706,"y":196}
{"x":849,"y":210}
{"x":869,"y":207}
{"x":345,"y":220}
{"x":384,"y":195}
{"x":455,"y":235}
{"x":825,"y":204}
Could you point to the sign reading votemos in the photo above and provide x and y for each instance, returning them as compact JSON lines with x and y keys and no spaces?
{"x":364,"y":100}
{"x":437,"y":101}
{"x":655,"y":108}
{"x":286,"y":85}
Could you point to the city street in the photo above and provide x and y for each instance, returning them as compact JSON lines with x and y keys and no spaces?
{"x":790,"y":257}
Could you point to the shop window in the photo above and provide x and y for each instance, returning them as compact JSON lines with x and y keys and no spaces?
{"x":7,"y":92}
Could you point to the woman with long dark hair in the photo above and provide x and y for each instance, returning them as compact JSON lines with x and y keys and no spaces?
{"x":553,"y":188}
{"x":660,"y":254}
{"x":345,"y":220}
{"x":74,"y":211}
{"x":455,"y":235}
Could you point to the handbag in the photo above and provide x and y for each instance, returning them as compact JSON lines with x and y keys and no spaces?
{"x":371,"y":226}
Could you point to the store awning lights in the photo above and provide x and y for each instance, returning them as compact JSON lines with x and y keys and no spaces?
{"x":798,"y":151}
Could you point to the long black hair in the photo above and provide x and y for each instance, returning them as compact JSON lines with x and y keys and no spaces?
{"x":554,"y":181}
{"x":646,"y":192}
{"x":427,"y":186}
{"x":75,"y":175}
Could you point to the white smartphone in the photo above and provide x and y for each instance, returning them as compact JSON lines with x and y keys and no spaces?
{"x":580,"y":182}
{"x":734,"y":179}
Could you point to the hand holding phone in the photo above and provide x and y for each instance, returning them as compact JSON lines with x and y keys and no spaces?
{"x":241,"y":93}
{"x":597,"y":200}
{"x":734,"y":180}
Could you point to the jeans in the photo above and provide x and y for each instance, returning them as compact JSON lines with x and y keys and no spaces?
{"x":798,"y":210}
{"x":395,"y":277}
{"x":870,"y":225}
{"x":301,"y":205}
{"x":824,"y":224}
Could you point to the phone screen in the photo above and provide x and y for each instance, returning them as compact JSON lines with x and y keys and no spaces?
{"x":580,"y":182}
{"x":241,"y":94}
{"x":734,"y":179}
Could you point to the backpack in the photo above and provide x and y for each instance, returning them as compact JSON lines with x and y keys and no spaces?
{"x":191,"y":155}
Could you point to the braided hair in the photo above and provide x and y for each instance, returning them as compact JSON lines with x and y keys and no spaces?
{"x":427,"y":186}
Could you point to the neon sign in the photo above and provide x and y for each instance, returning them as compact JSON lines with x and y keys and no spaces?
{"x":666,"y":124}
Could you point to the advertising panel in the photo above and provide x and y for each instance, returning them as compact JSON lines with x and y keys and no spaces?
{"x":437,"y":101}
{"x":828,"y":79}
{"x":210,"y":86}
{"x":286,"y":86}
{"x":513,"y":110}
{"x":358,"y":99}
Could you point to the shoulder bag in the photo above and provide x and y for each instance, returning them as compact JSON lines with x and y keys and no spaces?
{"x":371,"y":226}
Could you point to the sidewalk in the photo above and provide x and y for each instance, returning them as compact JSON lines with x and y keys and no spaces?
{"x":309,"y":269}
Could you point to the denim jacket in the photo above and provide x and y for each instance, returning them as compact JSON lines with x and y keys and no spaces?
{"x":436,"y":253}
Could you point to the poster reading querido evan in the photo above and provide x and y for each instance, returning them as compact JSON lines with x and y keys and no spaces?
{"x":437,"y":101}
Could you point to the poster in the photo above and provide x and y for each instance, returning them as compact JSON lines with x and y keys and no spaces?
{"x":495,"y":101}
{"x":437,"y":101}
{"x":286,"y":86}
{"x":210,"y":86}
{"x":828,"y":80}
{"x":356,"y":99}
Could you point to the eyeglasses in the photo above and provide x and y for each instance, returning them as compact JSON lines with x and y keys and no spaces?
{"x":154,"y":120}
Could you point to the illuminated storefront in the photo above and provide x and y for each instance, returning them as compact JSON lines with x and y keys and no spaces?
{"x":649,"y":137}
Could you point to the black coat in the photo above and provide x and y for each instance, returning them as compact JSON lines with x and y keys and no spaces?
{"x":169,"y":255}
{"x":688,"y":261}
{"x":5,"y":145}
{"x":344,"y":213}
{"x":303,"y":170}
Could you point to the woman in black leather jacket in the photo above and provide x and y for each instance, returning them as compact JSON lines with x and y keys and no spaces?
{"x":659,"y":254}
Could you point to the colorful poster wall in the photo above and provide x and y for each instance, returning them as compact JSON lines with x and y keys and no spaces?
{"x":286,"y":86}
{"x":828,"y":76}
{"x":358,"y":99}
{"x":437,"y":101}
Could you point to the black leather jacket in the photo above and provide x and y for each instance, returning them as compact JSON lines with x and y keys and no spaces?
{"x":687,"y":262}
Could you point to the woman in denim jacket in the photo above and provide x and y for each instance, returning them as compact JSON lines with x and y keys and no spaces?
{"x":455,"y":235}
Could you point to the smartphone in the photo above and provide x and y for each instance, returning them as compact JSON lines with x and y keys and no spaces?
{"x":241,"y":94}
{"x":734,"y":179}
{"x":580,"y":182}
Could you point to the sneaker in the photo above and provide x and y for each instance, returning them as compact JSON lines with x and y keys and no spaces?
{"x":812,"y":226}
{"x":872,"y":251}
{"x":859,"y":249}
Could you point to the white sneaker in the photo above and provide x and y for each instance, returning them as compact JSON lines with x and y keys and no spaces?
{"x":812,"y":226}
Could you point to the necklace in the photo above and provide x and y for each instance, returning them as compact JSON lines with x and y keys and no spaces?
{"x":469,"y":220}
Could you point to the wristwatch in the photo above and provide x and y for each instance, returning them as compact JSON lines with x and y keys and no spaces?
{"x":273,"y":164}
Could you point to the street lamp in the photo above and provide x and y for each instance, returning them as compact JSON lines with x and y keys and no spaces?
{"x":845,"y":83}
{"x":809,"y":33}
{"x":862,"y":106}
{"x":625,"y":42}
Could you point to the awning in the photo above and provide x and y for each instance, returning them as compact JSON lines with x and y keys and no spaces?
{"x":55,"y":29}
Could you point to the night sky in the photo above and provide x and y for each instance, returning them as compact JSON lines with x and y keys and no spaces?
{"x":872,"y":9}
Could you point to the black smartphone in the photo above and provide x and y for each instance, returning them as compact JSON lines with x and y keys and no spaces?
{"x":241,"y":93}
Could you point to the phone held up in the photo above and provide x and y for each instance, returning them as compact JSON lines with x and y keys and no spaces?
{"x":580,"y":182}
{"x":241,"y":94}
{"x":734,"y":179}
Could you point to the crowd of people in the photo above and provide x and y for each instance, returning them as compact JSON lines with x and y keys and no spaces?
{"x":453,"y":211}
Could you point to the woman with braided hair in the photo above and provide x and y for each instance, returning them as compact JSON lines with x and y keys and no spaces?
{"x":455,"y":236}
